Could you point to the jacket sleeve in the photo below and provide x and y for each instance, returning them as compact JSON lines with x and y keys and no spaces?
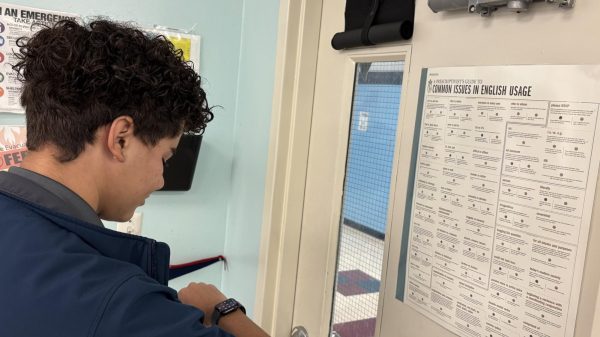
{"x":140,"y":307}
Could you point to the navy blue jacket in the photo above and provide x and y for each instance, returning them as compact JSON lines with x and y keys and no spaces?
{"x":63,"y":277}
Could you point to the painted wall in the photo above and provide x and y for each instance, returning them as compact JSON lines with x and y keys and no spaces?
{"x":251,"y":129}
{"x":222,"y":213}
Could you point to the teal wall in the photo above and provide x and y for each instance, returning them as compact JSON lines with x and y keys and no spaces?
{"x":251,"y":128}
{"x":222,"y":214}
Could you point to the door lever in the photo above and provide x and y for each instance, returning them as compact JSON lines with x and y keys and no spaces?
{"x":299,"y":331}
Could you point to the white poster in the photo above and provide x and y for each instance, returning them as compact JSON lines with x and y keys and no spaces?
{"x":15,"y":22}
{"x":503,"y":192}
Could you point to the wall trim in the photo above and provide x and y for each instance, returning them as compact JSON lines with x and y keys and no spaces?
{"x":295,"y":72}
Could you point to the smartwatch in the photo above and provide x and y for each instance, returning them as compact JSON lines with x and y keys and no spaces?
{"x":225,"y":308}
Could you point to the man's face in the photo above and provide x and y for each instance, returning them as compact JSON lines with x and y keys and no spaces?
{"x":140,"y":175}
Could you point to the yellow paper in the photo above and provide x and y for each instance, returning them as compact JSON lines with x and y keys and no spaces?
{"x":182,"y":43}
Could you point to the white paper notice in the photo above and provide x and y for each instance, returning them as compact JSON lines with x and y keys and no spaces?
{"x":15,"y":22}
{"x":504,"y":187}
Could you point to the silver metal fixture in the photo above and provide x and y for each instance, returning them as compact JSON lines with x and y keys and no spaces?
{"x":487,"y":7}
{"x":299,"y":331}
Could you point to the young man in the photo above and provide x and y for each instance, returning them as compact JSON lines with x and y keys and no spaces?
{"x":105,"y":107}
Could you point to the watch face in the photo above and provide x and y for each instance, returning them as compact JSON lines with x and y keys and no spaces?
{"x":227,"y":306}
{"x":224,"y":308}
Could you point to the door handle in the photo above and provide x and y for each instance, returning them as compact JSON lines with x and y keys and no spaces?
{"x":299,"y":331}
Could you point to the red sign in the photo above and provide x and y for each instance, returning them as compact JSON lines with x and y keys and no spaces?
{"x":12,"y":146}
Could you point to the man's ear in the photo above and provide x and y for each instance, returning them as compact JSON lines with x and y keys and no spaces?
{"x":120,"y":134}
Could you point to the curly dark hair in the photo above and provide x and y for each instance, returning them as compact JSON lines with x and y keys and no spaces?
{"x":77,"y":78}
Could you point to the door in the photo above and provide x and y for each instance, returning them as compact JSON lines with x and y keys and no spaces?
{"x":350,"y":175}
{"x":440,"y":40}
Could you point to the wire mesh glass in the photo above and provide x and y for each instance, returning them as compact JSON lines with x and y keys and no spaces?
{"x":375,"y":107}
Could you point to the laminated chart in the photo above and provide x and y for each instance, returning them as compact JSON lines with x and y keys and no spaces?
{"x":504,"y":182}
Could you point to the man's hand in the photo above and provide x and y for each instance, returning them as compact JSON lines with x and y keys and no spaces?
{"x":202,"y":296}
{"x":205,"y":296}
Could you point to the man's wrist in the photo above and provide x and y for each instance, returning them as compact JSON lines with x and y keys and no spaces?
{"x":231,"y":319}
